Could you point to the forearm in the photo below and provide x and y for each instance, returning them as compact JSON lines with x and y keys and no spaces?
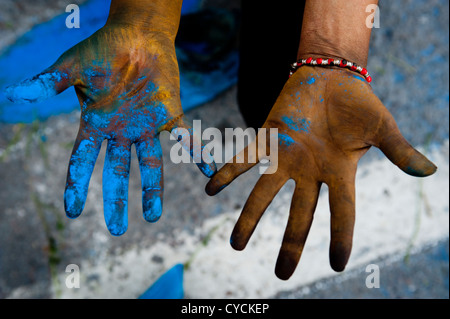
{"x":336,"y":28}
{"x":147,"y":15}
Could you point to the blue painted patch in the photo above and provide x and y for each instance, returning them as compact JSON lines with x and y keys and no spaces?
{"x":285,"y":139}
{"x":222,"y":187}
{"x":427,"y":51}
{"x":34,"y":90}
{"x":168,"y":286}
{"x":358,"y":78}
{"x":81,"y":166}
{"x":311,"y":80}
{"x":97,"y":119}
{"x":299,"y":124}
{"x":207,"y":169}
{"x":115,"y":187}
{"x":150,"y":164}
{"x":153,"y":210}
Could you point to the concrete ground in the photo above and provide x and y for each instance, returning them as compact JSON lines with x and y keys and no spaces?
{"x":402,"y":222}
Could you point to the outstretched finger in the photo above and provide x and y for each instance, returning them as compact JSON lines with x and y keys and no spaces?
{"x":115,"y":186}
{"x":81,"y":165}
{"x":241,"y":163}
{"x":149,"y":154}
{"x":260,"y":198}
{"x":304,"y":202}
{"x":401,"y":153}
{"x":342,"y":208}
{"x":391,"y":142}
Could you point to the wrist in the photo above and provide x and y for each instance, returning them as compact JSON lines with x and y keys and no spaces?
{"x":317,"y":47}
{"x":336,"y":30}
{"x":160,"y":16}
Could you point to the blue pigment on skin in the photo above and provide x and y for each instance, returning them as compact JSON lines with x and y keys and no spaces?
{"x":140,"y":121}
{"x":222,"y":187}
{"x":285,"y":139}
{"x":311,"y":80}
{"x":206,"y":169}
{"x":299,"y":124}
{"x":153,"y":214}
{"x":115,"y":187}
{"x":91,"y":73}
{"x":34,"y":90}
{"x":81,"y":166}
{"x":27,"y":92}
{"x":358,"y":78}
{"x":97,"y":119}
{"x":150,"y":165}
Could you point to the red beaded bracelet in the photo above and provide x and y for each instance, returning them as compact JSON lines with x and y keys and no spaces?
{"x":331,"y":62}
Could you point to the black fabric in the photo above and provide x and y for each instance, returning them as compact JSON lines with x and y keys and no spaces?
{"x":268,"y":44}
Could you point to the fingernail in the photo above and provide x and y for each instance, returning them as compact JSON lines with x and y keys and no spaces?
{"x":117,"y":229}
{"x":212,"y":189}
{"x":339,"y":255}
{"x":423,"y":169}
{"x":285,"y":267}
{"x":72,"y":204}
{"x":153,"y":209}
{"x":115,"y":212}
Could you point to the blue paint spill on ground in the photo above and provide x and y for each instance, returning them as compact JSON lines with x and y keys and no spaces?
{"x":42,"y":45}
{"x":168,"y":286}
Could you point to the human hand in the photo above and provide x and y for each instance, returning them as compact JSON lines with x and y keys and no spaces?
{"x":127,"y":81}
{"x":327,"y":119}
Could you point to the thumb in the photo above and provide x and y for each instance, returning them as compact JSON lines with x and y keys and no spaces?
{"x":46,"y":84}
{"x":400,"y":152}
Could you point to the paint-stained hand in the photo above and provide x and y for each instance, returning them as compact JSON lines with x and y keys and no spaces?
{"x":127,"y":83}
{"x":327,"y":119}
